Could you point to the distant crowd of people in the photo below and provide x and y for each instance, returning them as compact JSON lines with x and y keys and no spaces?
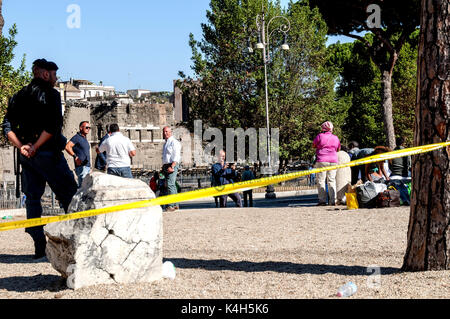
{"x":329,"y":152}
{"x":223,"y":173}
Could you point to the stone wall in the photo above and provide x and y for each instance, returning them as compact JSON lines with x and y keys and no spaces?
{"x":142,"y":122}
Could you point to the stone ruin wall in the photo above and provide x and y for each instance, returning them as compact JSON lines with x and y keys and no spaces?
{"x":141,"y":122}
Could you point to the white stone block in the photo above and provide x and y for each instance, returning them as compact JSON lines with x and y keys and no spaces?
{"x":121,"y":247}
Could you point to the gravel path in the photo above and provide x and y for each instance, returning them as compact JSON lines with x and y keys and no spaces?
{"x":255,"y":253}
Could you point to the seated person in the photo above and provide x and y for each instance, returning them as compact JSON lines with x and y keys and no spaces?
{"x":374,"y":174}
{"x":379,"y":165}
{"x":400,"y":167}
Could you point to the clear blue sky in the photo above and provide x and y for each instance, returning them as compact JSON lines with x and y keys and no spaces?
{"x":127,"y":44}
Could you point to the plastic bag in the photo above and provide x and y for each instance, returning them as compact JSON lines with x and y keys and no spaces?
{"x":168,"y":270}
{"x":352,"y":201}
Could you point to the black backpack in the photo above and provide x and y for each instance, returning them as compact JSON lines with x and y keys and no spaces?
{"x":367,"y":195}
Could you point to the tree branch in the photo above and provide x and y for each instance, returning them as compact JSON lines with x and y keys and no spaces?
{"x":398,"y":47}
{"x":377,"y":32}
{"x":360,"y":38}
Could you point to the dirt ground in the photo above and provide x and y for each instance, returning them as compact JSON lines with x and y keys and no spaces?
{"x":252,"y":253}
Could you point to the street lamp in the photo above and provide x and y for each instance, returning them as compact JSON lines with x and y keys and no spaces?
{"x":263,"y":44}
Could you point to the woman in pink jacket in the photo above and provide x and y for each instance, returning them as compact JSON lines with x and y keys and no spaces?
{"x":327,"y":145}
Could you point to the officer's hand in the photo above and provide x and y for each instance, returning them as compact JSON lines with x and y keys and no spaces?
{"x":28,"y":150}
{"x":78,"y":161}
{"x":24,"y":150}
{"x":170,"y":170}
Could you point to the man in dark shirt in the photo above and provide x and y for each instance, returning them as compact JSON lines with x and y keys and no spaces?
{"x":33,"y":124}
{"x":79,"y":148}
{"x":400,"y":167}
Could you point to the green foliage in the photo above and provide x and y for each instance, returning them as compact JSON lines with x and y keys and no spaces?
{"x":398,"y":21}
{"x":11,"y":80}
{"x":230,"y":87}
{"x":343,"y":16}
{"x":359,"y":79}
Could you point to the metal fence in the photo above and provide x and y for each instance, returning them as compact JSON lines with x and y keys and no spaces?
{"x":10,"y":204}
{"x":8,"y":198}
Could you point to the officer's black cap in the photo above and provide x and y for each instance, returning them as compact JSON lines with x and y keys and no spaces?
{"x":40,"y":63}
{"x":46,"y":65}
{"x":51,"y":66}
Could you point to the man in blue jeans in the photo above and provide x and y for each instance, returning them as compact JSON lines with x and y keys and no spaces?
{"x":33,"y":124}
{"x":119,"y":151}
{"x":79,"y":148}
{"x":171,"y":158}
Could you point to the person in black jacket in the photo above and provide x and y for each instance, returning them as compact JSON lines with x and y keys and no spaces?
{"x":33,"y":124}
{"x":400,"y":167}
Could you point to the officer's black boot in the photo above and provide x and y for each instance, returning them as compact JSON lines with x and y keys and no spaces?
{"x":39,"y":248}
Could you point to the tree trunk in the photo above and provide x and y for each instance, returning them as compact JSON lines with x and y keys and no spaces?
{"x":2,"y":22}
{"x":386,"y":98}
{"x":428,"y":245}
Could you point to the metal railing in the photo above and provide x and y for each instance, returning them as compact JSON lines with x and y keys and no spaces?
{"x":10,"y":204}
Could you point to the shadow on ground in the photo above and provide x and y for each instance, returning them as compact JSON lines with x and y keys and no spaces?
{"x":20,"y":259}
{"x":286,"y":201}
{"x":281,"y":267}
{"x":35,"y":283}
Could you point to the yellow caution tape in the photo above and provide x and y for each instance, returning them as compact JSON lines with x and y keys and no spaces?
{"x":218,"y":190}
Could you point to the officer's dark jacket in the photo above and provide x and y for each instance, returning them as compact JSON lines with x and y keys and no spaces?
{"x":36,"y":108}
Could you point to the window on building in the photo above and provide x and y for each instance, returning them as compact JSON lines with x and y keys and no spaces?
{"x":150,"y":135}
{"x":99,"y":132}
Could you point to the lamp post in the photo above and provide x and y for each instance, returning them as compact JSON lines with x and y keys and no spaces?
{"x":264,"y":33}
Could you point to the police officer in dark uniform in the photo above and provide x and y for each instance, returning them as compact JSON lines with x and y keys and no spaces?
{"x":33,"y":124}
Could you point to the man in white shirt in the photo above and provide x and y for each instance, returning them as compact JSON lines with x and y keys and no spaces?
{"x":119,"y":151}
{"x":171,"y":162}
